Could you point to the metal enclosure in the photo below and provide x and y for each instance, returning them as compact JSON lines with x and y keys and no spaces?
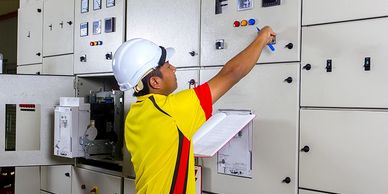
{"x":84,"y":181}
{"x":170,"y":24}
{"x":318,"y":11}
{"x":187,"y":78}
{"x":275,"y":131}
{"x":58,"y":65}
{"x":29,"y":69}
{"x":58,"y":27}
{"x":346,"y":65}
{"x":28,"y":127}
{"x":30,"y":21}
{"x":55,"y":179}
{"x":346,"y":151}
{"x":129,"y":186}
{"x":308,"y":192}
{"x":26,"y":180}
{"x":41,"y":90}
{"x":221,"y":27}
{"x":94,"y":49}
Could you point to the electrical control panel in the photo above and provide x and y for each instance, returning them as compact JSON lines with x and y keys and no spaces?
{"x":99,"y":31}
{"x":228,"y":26}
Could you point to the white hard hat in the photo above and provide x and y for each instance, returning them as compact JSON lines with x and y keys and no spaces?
{"x":135,"y":58}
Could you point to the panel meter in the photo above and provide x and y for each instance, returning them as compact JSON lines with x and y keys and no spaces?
{"x":84,"y":6}
{"x":96,"y":4}
{"x":109,"y":25}
{"x":84,"y":29}
{"x":110,"y":3}
{"x":269,"y":3}
{"x":244,"y":4}
{"x":97,"y":27}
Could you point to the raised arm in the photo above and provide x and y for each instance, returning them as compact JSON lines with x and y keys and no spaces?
{"x":240,"y":65}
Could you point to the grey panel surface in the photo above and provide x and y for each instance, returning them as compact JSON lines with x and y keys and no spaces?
{"x":96,"y":61}
{"x":346,"y":45}
{"x":347,"y":151}
{"x":29,"y":89}
{"x":168,"y":23}
{"x":284,"y":20}
{"x":275,"y":131}
{"x":30,"y":33}
{"x":323,"y":11}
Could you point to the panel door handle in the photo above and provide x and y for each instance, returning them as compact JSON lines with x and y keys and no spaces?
{"x":305,"y":149}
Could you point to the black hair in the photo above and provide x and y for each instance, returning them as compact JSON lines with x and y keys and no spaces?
{"x":146,"y":80}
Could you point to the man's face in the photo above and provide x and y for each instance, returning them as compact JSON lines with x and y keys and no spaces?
{"x":169,"y":77}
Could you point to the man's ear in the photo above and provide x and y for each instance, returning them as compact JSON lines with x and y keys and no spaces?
{"x":155,"y":82}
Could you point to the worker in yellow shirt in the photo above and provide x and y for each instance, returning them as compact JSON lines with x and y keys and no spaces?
{"x":160,"y":125}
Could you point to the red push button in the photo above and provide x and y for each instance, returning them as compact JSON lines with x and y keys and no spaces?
{"x":236,"y":24}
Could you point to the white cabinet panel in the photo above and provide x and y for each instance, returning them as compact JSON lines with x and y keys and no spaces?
{"x":221,"y":27}
{"x":29,"y":69}
{"x":58,"y":27}
{"x":347,"y":151}
{"x":187,"y":78}
{"x":97,"y":58}
{"x":58,"y":65}
{"x":30,"y":20}
{"x":275,"y":132}
{"x":83,"y":181}
{"x":129,"y":186}
{"x":27,"y":180}
{"x":56,"y":179}
{"x":308,"y":192}
{"x":168,"y":23}
{"x":347,"y":45}
{"x":323,"y":11}
{"x":37,"y":90}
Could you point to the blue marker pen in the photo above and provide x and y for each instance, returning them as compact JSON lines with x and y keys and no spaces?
{"x":270,"y":46}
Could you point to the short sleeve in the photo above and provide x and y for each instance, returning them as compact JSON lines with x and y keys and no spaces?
{"x":191,"y":108}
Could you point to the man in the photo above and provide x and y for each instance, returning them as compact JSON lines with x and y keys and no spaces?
{"x":160,"y":125}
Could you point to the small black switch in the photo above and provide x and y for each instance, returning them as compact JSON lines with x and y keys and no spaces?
{"x":290,"y":46}
{"x":329,"y":65}
{"x":108,"y":56}
{"x":367,"y":64}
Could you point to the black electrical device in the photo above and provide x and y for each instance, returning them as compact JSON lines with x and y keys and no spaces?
{"x":219,"y":5}
{"x":270,"y":3}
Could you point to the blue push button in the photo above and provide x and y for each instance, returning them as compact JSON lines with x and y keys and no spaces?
{"x":252,"y":21}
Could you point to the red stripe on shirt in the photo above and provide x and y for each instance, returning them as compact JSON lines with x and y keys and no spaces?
{"x":205,"y":98}
{"x":181,"y":179}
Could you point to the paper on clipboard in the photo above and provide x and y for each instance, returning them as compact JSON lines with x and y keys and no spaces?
{"x":217,"y":131}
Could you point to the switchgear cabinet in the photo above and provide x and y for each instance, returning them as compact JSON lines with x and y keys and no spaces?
{"x":271,"y":92}
{"x":224,"y":34}
{"x":169,"y":24}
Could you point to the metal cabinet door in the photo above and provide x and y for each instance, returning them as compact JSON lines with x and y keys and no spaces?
{"x":325,"y":11}
{"x":168,"y":23}
{"x":44,"y":92}
{"x":308,"y":192}
{"x":27,"y":180}
{"x":346,"y":151}
{"x":56,"y":179}
{"x":344,"y":48}
{"x":97,"y":58}
{"x":129,"y":186}
{"x":284,"y":19}
{"x":275,"y":131}
{"x":187,"y":78}
{"x":58,"y":27}
{"x":29,"y":44}
{"x":83,"y":181}
{"x":58,"y":65}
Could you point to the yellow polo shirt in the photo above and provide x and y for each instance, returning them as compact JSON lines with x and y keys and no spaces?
{"x":158,"y":133}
